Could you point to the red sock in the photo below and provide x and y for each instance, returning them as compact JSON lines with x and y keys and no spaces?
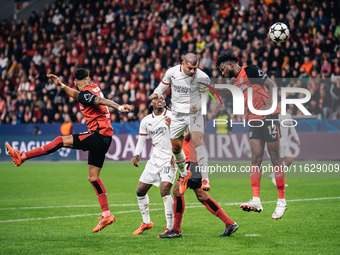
{"x":179,"y":206}
{"x":56,"y":144}
{"x":216,"y":210}
{"x":99,"y":187}
{"x":255,"y":179}
{"x":280,"y":181}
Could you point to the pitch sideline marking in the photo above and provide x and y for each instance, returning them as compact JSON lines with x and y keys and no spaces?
{"x":156,"y":209}
{"x":113,"y":205}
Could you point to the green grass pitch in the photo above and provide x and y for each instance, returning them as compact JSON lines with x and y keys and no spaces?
{"x":50,"y":208}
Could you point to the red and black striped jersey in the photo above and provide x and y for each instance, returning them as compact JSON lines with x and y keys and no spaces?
{"x":97,"y":117}
{"x":252,"y":76}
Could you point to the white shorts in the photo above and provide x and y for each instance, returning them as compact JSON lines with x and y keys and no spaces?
{"x":158,"y":170}
{"x":181,"y":121}
{"x":285,"y":151}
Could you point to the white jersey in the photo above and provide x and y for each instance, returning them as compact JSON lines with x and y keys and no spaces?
{"x":185,"y":89}
{"x":285,"y":130}
{"x":155,"y":127}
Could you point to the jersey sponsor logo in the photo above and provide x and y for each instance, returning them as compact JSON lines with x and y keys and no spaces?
{"x":160,"y":130}
{"x":180,"y":89}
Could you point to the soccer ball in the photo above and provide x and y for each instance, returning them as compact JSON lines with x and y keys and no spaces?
{"x":279,"y":32}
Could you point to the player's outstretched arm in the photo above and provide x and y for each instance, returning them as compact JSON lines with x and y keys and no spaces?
{"x":69,"y":91}
{"x":270,"y":85}
{"x":163,"y":85}
{"x":158,"y":91}
{"x":109,"y":103}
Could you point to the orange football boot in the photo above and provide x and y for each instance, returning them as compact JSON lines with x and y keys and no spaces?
{"x":104,"y":222}
{"x":142,"y":228}
{"x":183,"y":182}
{"x":15,"y":154}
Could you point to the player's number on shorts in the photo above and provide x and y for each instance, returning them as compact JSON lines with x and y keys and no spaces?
{"x":166,"y":169}
{"x":272,"y":130}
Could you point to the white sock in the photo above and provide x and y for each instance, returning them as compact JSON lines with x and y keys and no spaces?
{"x":257,"y":199}
{"x":143,"y":203}
{"x":202,"y":161}
{"x":180,"y":160}
{"x":282,"y":201}
{"x":168,"y":208}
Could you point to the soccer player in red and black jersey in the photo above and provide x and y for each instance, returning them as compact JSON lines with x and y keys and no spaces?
{"x":262,"y":88}
{"x":195,"y":183}
{"x":96,"y":141}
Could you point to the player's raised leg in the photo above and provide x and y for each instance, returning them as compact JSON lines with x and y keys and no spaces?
{"x":143,"y":203}
{"x":168,"y":205}
{"x":257,"y":150}
{"x":60,"y":141}
{"x":106,"y":218}
{"x":274,"y":152}
{"x":216,"y":210}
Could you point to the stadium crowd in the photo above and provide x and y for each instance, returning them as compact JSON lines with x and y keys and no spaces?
{"x":127,"y":45}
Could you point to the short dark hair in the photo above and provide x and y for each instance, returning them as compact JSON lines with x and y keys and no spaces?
{"x":225,"y":57}
{"x":81,"y":74}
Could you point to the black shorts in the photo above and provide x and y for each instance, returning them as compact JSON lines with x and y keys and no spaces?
{"x":95,"y":143}
{"x":269,"y":131}
{"x":195,"y":181}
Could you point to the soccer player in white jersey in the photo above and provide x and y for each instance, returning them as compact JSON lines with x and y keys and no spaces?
{"x":158,"y":170}
{"x":285,"y":152}
{"x":186,"y":82}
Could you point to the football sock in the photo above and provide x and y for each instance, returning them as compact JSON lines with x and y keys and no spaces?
{"x":180,"y":160}
{"x":168,"y":208}
{"x":56,"y":144}
{"x":280,"y":181}
{"x":143,"y":203}
{"x":179,"y":206}
{"x":282,"y":201}
{"x":202,"y":161}
{"x":255,"y":179}
{"x":99,"y":187}
{"x":216,"y":210}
